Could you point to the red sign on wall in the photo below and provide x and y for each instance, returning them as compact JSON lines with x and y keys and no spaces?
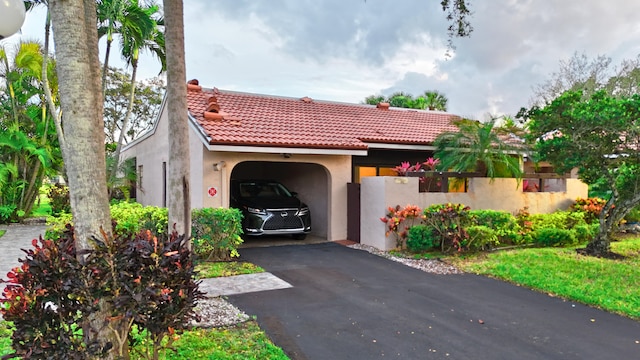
{"x":212,"y":191}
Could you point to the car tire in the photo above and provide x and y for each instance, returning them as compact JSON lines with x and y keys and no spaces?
{"x":299,"y":236}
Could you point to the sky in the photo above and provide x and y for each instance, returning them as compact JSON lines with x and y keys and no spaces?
{"x":345,"y":50}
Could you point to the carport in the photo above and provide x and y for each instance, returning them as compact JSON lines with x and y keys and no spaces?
{"x":310,"y":181}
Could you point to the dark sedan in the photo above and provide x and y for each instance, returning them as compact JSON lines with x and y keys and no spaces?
{"x":269,"y":208}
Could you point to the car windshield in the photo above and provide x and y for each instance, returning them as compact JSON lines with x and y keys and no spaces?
{"x":263,"y":190}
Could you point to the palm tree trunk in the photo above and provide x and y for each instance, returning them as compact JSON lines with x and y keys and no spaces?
{"x":179,"y":176}
{"x":116,"y":155}
{"x":105,"y":66}
{"x":78,"y":67}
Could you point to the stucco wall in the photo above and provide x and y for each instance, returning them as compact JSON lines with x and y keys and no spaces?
{"x":379,"y":193}
{"x":150,"y":153}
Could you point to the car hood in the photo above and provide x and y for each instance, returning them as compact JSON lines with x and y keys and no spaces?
{"x":272,"y":203}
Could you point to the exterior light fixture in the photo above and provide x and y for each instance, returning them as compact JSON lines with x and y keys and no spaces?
{"x":12,"y":14}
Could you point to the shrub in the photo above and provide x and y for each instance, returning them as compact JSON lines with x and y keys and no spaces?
{"x":216,"y":233}
{"x":481,"y":238}
{"x":7,"y":213}
{"x":130,"y":219}
{"x":554,"y":237}
{"x":558,"y":220}
{"x":449,"y":221}
{"x":585,"y":233}
{"x":146,"y":281}
{"x":505,"y":225}
{"x":421,"y":238}
{"x":399,"y":220}
{"x":59,"y":199}
{"x":591,"y":207}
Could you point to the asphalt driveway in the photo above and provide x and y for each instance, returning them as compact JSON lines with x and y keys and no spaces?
{"x":349,"y":304}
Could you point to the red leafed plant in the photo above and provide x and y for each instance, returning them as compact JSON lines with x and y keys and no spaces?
{"x":147,"y":282}
{"x":399,"y":220}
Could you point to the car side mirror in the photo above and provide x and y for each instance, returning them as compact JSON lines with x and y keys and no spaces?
{"x":293,"y":193}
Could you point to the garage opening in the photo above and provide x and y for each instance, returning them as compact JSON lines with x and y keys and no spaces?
{"x":310,"y":181}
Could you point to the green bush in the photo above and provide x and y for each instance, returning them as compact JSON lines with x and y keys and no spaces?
{"x":449,"y":222}
{"x":56,"y":225}
{"x":131,"y":218}
{"x":554,"y":237}
{"x":216,"y":233}
{"x":421,"y":238}
{"x":7,"y":213}
{"x":59,"y":199}
{"x":564,"y":220}
{"x":504,"y":224}
{"x":481,"y":238}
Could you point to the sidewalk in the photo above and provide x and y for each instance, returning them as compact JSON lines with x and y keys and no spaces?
{"x":17,"y":237}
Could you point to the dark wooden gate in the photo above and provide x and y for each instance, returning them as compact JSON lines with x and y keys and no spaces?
{"x":353,"y":212}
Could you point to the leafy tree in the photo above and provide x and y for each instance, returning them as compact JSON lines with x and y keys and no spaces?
{"x":479,"y":146}
{"x":599,"y":135}
{"x":146,"y":105}
{"x":579,"y":73}
{"x":28,"y":144}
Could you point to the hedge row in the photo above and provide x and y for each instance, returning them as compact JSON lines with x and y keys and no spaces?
{"x":215,"y":231}
{"x":455,"y":227}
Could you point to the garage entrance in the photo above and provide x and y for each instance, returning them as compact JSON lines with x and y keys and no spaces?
{"x":310,"y":181}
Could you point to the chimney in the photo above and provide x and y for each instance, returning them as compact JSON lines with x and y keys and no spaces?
{"x":193,"y":85}
{"x":306,"y":100}
{"x":383,"y":106}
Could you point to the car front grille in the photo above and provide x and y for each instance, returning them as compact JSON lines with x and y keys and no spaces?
{"x":279,"y":220}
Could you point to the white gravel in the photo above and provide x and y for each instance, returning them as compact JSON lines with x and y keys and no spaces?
{"x":217,"y":312}
{"x":432,"y":266}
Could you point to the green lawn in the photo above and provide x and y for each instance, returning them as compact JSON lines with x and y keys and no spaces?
{"x":612,"y":285}
{"x":44,"y":209}
{"x":221,"y":269}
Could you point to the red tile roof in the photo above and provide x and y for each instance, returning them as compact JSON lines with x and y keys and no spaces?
{"x":262,"y":120}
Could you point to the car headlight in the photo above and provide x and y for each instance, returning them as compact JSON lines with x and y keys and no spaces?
{"x":303,"y":211}
{"x":256,"y":211}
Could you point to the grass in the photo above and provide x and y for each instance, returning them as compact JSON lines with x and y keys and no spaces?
{"x":222,"y":269}
{"x":239,"y":342}
{"x":2,"y":232}
{"x":44,"y":208}
{"x":612,"y":285}
{"x":243,"y":341}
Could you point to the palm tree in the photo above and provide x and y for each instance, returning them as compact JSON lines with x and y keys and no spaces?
{"x":435,"y":100}
{"x":140,"y":30}
{"x":28,"y":146}
{"x":478,"y":146}
{"x":179,"y":178}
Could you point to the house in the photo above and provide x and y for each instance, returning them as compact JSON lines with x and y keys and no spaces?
{"x":314,"y":147}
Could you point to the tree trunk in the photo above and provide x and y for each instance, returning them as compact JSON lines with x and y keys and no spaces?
{"x":78,"y":67}
{"x":113,"y":172}
{"x":179,"y":176}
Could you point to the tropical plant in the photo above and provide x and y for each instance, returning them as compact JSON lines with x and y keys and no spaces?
{"x":140,"y":29}
{"x":434,"y":100}
{"x":479,"y":146}
{"x":399,"y":220}
{"x":29,"y":149}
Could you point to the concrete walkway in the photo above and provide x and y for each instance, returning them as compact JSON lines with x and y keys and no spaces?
{"x":16,"y":238}
{"x":19,"y":237}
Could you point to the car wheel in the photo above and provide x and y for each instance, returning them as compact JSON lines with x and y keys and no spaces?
{"x":299,"y":236}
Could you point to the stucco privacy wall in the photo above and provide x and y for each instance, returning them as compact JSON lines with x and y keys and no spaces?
{"x":328,"y":200}
{"x":379,"y":193}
